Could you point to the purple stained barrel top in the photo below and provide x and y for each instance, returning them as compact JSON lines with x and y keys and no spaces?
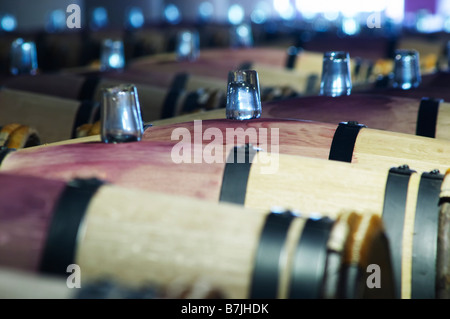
{"x":433,"y":85}
{"x":26,"y":209}
{"x":151,"y":166}
{"x":287,"y":136}
{"x":376,"y":111}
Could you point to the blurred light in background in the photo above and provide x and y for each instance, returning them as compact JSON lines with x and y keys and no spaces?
{"x":350,"y":26}
{"x":8,"y":22}
{"x":423,"y":16}
{"x":261,"y":13}
{"x":172,"y":14}
{"x":99,"y":18}
{"x":135,"y":18}
{"x":447,"y":25}
{"x":285,"y":9}
{"x":243,"y":36}
{"x":332,"y":9}
{"x":331,"y":15}
{"x":428,"y":23}
{"x":205,"y":10}
{"x":56,"y":21}
{"x":235,"y":14}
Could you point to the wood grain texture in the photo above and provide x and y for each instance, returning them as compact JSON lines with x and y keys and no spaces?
{"x":443,"y":121}
{"x":216,"y":63}
{"x":302,"y":184}
{"x":375,"y":111}
{"x":140,"y":237}
{"x":27,"y":205}
{"x":312,"y":139}
{"x":143,"y":165}
{"x":383,"y":149}
{"x":52,"y":117}
{"x":373,"y":148}
{"x":137,"y":238}
{"x":150,"y":166}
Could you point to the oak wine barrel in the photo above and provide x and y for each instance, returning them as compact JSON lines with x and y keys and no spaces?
{"x":135,"y":237}
{"x":420,"y":116}
{"x":348,"y":142}
{"x":400,"y":195}
{"x":55,"y":118}
{"x":267,"y":60}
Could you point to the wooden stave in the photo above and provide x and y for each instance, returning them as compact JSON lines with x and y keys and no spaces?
{"x":112,"y":263}
{"x":348,"y":189}
{"x":306,"y":62}
{"x":372,"y":148}
{"x":392,"y":113}
{"x":41,"y":111}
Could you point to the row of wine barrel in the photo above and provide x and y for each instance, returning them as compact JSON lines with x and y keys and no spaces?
{"x":135,"y":237}
{"x":348,"y":141}
{"x":58,"y":119}
{"x":284,"y":179}
{"x":52,"y":118}
{"x":183,"y":92}
{"x":406,"y":205}
{"x":61,"y":50}
{"x":300,"y":70}
{"x":427,"y":117}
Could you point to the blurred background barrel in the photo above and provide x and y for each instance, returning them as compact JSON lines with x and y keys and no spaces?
{"x":19,"y":284}
{"x":261,"y":180}
{"x":348,"y":141}
{"x":53,"y":117}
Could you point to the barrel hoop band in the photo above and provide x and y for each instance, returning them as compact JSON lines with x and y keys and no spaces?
{"x":4,"y":151}
{"x":426,"y":230}
{"x":177,"y":87}
{"x":310,"y":260}
{"x":60,"y":247}
{"x":427,"y":117}
{"x":89,"y":87}
{"x":344,"y":141}
{"x":247,"y":65}
{"x":357,"y":66}
{"x":291,"y":59}
{"x":394,"y":206}
{"x":236,"y":173}
{"x":369,"y":70}
{"x":83,"y":116}
{"x":266,"y":271}
{"x":191,"y":102}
